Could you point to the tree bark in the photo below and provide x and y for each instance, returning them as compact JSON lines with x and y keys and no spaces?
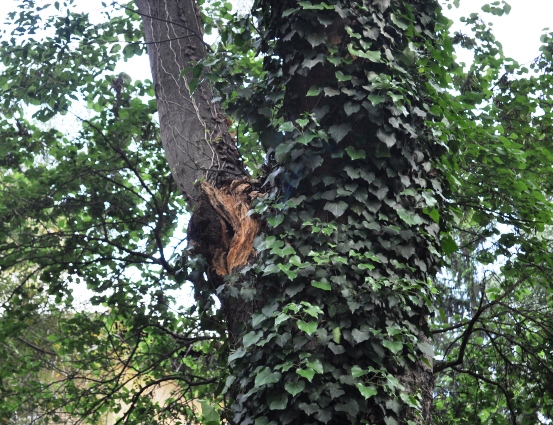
{"x":201,"y":153}
{"x":194,"y":132}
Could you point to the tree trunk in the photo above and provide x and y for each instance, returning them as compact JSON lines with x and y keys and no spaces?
{"x":201,"y":153}
{"x":339,"y":295}
{"x":194,"y":132}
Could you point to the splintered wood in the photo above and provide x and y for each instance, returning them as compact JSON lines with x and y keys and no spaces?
{"x":232,"y":204}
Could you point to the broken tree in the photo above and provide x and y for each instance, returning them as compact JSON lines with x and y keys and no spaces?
{"x":328,"y":314}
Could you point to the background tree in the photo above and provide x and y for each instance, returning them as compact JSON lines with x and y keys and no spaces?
{"x":325,"y":321}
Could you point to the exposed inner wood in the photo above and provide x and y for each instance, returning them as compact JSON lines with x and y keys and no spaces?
{"x":221,"y":229}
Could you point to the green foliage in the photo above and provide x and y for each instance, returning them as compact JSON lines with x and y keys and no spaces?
{"x":87,"y":200}
{"x":349,"y":244}
{"x":383,"y":157}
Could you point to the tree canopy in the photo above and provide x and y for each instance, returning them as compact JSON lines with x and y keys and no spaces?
{"x":442,"y":221}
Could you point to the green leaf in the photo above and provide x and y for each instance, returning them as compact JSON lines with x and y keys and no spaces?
{"x":389,"y":139}
{"x":238,"y":354}
{"x":312,"y":310}
{"x":275,"y":220}
{"x":449,"y":246}
{"x":366,"y":391}
{"x":355,"y":154}
{"x":410,"y":217}
{"x":277,"y":401}
{"x":258,"y":318}
{"x":210,"y":414}
{"x":265,"y":376}
{"x":359,"y":336}
{"x":357,"y":372}
{"x":251,"y":338}
{"x":336,"y":208}
{"x":339,"y":131}
{"x":306,"y":373}
{"x":434,"y":214}
{"x":282,"y":317}
{"x":394,"y":346}
{"x":316,"y":365}
{"x":294,"y":388}
{"x":336,"y":335}
{"x":373,"y":56}
{"x":287,"y":127}
{"x":308,"y":328}
{"x":325,"y":286}
{"x":313,"y":91}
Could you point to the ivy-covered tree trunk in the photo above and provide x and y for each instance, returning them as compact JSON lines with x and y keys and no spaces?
{"x":331,"y":325}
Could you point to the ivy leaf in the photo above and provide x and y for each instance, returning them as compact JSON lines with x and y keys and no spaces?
{"x":389,"y":139}
{"x":359,"y":336}
{"x":277,"y":402}
{"x":313,"y":91}
{"x":339,"y":131}
{"x":306,"y":373}
{"x":265,"y":376}
{"x":294,"y":388}
{"x":394,"y":346}
{"x":257,"y":318}
{"x":325,"y":286}
{"x":357,"y":372}
{"x":308,"y":328}
{"x":336,"y":334}
{"x":275,"y":220}
{"x":336,"y":208}
{"x":351,"y":108}
{"x":288,"y":12}
{"x":382,"y":4}
{"x":316,"y":38}
{"x":238,"y":354}
{"x":426,"y":348}
{"x":365,"y":391}
{"x":309,"y":409}
{"x":282,"y":317}
{"x":304,"y":139}
{"x":409,"y":217}
{"x":287,"y":127}
{"x":356,"y":154}
{"x":316,"y":365}
{"x":321,"y":6}
{"x":251,"y":338}
{"x":324,"y":415}
{"x":434,"y":214}
{"x":312,"y":310}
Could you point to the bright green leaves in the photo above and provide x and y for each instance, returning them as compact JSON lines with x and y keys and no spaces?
{"x":373,"y":56}
{"x":394,"y":346}
{"x":308,"y":327}
{"x":355,"y":154}
{"x":366,"y":391}
{"x":210,"y":414}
